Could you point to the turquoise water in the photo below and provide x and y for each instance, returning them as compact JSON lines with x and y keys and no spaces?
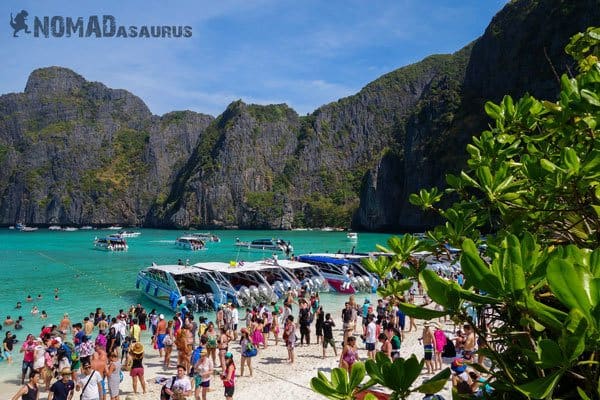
{"x":33,"y":263}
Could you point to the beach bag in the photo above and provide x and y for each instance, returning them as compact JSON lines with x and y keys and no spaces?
{"x":250,"y":351}
{"x":163,"y":391}
{"x":449,"y":349}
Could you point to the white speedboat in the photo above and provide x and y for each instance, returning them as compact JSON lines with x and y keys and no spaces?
{"x":245,"y":284}
{"x":23,"y":228}
{"x":173,"y":285}
{"x":70,"y":229}
{"x":279,"y":245}
{"x":114,"y":228}
{"x":189,"y":243}
{"x":87,"y":227}
{"x":352,"y":236}
{"x":206,"y":237}
{"x":111,"y":243}
{"x":129,"y":234}
{"x":54,"y":228}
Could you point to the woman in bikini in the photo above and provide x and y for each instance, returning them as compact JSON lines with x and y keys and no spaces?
{"x":349,"y":354}
{"x":223,"y":345}
{"x":211,"y":343}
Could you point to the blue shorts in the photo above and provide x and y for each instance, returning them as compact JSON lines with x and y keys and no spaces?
{"x":370,"y":346}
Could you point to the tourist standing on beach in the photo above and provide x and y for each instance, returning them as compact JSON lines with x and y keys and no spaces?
{"x":181,"y":387}
{"x":304,"y":318}
{"x":62,"y":389}
{"x":386,"y":345}
{"x":168,"y":342}
{"x":136,"y":355}
{"x":440,"y":342}
{"x":223,"y":345}
{"x":248,"y":351}
{"x":347,"y":321}
{"x":427,"y":340}
{"x":113,"y":375}
{"x":30,"y":391}
{"x":327,"y":328}
{"x":228,"y":376}
{"x":349,"y":354}
{"x":235,"y":319}
{"x":89,"y":383}
{"x":203,"y":369}
{"x":183,"y":350}
{"x":371,"y":336}
{"x":211,"y":342}
{"x":319,"y":320}
{"x":161,"y":332}
{"x":289,"y":336}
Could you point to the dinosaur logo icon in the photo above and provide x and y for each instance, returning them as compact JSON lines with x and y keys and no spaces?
{"x":18,"y":22}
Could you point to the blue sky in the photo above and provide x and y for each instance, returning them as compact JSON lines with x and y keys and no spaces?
{"x":303,"y":53}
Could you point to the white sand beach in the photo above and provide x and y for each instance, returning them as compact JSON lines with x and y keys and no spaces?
{"x":274,"y":378}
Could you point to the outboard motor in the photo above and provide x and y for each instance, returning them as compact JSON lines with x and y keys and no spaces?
{"x":209,"y":301}
{"x":264,"y":293}
{"x":254,"y":293}
{"x":279,"y":288}
{"x":243,"y":296}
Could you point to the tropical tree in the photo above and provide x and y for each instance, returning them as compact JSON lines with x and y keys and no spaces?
{"x":532,"y":184}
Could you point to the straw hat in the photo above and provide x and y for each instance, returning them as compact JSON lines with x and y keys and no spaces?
{"x":65,"y":371}
{"x":137,"y":348}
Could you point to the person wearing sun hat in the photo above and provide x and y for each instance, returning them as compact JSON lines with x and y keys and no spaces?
{"x":203,"y":370}
{"x":135,"y":358}
{"x":63,"y":388}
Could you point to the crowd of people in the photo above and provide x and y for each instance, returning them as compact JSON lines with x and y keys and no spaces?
{"x":91,"y":356}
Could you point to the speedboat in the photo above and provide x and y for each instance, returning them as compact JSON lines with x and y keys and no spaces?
{"x":280,"y":279}
{"x":266,"y":244}
{"x":207,"y":237}
{"x":114,"y":228}
{"x":243,"y":284}
{"x":189,"y":243}
{"x":23,"y":228}
{"x":70,"y":229}
{"x":111,"y":243}
{"x":129,"y":234}
{"x":172,"y":286}
{"x":352,"y":236}
{"x":344,"y":272}
{"x":87,"y":228}
{"x":306,"y":274}
{"x":54,"y":228}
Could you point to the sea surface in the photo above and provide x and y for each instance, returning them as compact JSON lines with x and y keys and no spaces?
{"x":38,"y":263}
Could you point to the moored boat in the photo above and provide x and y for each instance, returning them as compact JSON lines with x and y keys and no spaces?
{"x":129,"y":234}
{"x":111,"y":243}
{"x":24,"y":228}
{"x":343,"y":272}
{"x":278,"y":245}
{"x":246,"y":285}
{"x":114,"y":228}
{"x":173,"y":286}
{"x":206,"y":237}
{"x":352,"y":236}
{"x":189,"y":243}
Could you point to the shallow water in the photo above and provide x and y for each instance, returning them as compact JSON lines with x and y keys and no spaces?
{"x":33,"y":263}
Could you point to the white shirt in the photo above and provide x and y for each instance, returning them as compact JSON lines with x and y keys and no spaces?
{"x":91,"y":390}
{"x":183,"y":385}
{"x":235,"y":316}
{"x":371,"y":330}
